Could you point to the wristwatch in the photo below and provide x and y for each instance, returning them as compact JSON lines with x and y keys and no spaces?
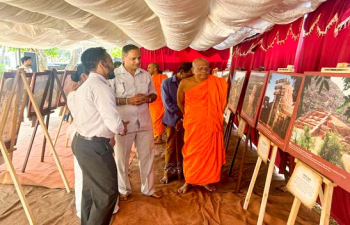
{"x":149,"y":99}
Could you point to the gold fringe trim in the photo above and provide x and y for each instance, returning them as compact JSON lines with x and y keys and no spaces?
{"x":290,"y":32}
{"x":344,"y":24}
{"x":333,"y":21}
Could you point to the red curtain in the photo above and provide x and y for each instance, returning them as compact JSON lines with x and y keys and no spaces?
{"x":171,"y":60}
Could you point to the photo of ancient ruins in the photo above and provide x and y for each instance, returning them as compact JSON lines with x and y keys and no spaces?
{"x":279,"y":101}
{"x":322,"y":122}
{"x":235,"y":90}
{"x":253,"y":96}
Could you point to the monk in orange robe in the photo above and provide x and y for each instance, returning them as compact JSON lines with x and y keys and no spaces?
{"x":156,"y":108}
{"x":202,"y":99}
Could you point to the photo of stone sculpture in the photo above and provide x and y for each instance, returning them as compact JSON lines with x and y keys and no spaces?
{"x":253,"y":93}
{"x":279,"y":101}
{"x":322,"y":122}
{"x":235,"y":90}
{"x":40,"y":82}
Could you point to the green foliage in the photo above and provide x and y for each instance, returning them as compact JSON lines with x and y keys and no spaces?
{"x":331,"y":149}
{"x":294,"y":137}
{"x":2,"y":69}
{"x":116,"y":52}
{"x":346,"y":82}
{"x":306,"y":139}
{"x":12,"y":49}
{"x":52,"y":52}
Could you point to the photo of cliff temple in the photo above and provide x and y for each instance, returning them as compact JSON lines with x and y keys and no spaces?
{"x":253,"y":93}
{"x":322,"y":123}
{"x":279,"y":101}
{"x":235,"y":90}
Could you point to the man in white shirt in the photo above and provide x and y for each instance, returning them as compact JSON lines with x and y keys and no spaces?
{"x":97,"y":120}
{"x":134,"y":90}
{"x":26,"y":63}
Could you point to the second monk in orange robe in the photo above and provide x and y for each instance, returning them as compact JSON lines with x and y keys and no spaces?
{"x":156,"y":108}
{"x":202,"y":98}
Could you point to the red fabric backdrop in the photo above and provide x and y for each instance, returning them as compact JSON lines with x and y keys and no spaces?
{"x":325,"y":42}
{"x":171,"y":60}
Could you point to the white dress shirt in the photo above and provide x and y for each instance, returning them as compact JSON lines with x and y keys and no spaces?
{"x":126,"y":85}
{"x":26,"y":69}
{"x":93,"y":108}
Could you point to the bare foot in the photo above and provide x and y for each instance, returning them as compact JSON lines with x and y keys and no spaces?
{"x":184,"y":188}
{"x":164,"y":180}
{"x":156,"y":195}
{"x":123,"y":197}
{"x":209,"y":187}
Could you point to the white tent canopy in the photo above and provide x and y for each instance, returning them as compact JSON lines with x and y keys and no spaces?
{"x":152,"y":24}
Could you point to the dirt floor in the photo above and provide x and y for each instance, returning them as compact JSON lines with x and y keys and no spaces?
{"x":55,"y":206}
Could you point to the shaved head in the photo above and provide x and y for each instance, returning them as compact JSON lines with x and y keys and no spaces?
{"x":200,"y":68}
{"x":196,"y":61}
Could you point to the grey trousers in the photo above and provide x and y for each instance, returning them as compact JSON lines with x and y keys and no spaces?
{"x":100,"y":180}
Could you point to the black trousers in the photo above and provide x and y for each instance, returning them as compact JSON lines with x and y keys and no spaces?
{"x":100,"y":180}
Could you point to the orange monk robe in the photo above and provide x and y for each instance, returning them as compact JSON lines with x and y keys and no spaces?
{"x":204,"y":152}
{"x":156,"y":108}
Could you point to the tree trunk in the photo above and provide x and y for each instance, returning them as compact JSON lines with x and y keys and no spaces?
{"x":42,"y":59}
{"x":72,"y":64}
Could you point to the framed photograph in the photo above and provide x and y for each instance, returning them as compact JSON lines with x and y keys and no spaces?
{"x":280,"y":98}
{"x":18,"y":103}
{"x":56,"y":91}
{"x":253,"y":96}
{"x":67,"y":85}
{"x":39,"y":83}
{"x":235,"y":90}
{"x":320,"y":135}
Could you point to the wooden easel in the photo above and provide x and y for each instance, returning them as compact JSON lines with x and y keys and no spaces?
{"x":40,"y":119}
{"x":325,"y":198}
{"x":242,"y":126}
{"x":228,"y":130}
{"x":48,"y":90}
{"x":267,"y":183}
{"x":5,"y":152}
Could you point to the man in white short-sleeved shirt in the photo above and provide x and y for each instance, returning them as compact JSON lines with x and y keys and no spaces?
{"x":96,"y":120}
{"x":134,"y":90}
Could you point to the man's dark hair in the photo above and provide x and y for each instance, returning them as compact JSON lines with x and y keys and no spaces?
{"x":127,"y":48}
{"x":117,"y":64}
{"x":186,"y":66}
{"x":76,"y":76}
{"x":25,"y":58}
{"x":91,"y":57}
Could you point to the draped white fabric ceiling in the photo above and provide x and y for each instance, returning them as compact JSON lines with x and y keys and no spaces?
{"x":152,"y":24}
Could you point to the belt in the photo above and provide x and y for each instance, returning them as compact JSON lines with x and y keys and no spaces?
{"x":94,"y":138}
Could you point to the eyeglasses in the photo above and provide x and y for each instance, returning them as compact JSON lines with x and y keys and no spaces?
{"x":202,"y":68}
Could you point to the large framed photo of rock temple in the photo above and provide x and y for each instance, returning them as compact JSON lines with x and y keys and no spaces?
{"x":14,"y":117}
{"x":253,"y":96}
{"x":40,"y":86}
{"x":320,"y":134}
{"x":237,"y":84}
{"x":67,"y":85}
{"x":278,"y":105}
